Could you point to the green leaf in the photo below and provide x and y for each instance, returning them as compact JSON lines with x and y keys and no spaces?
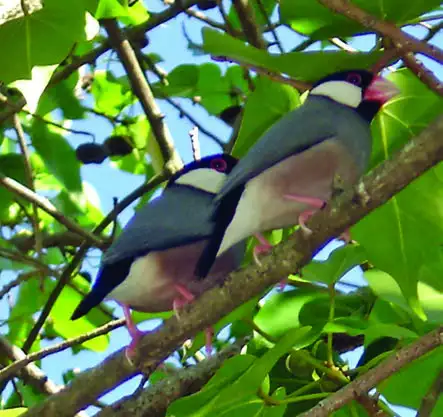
{"x":408,"y":386}
{"x":13,"y":412}
{"x":65,"y":327}
{"x":62,"y":96}
{"x":304,"y":66}
{"x":280,"y":313}
{"x":264,"y":107}
{"x":31,"y":298}
{"x":312,"y":19}
{"x":11,"y":165}
{"x":25,"y":40}
{"x":339,"y":262}
{"x":108,"y":9}
{"x":385,"y":287}
{"x":32,"y":89}
{"x":111,"y":94}
{"x":57,"y":154}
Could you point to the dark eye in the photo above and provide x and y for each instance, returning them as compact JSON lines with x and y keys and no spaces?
{"x":219,"y":164}
{"x":354,"y":78}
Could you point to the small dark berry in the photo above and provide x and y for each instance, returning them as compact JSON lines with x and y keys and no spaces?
{"x":91,"y":153}
{"x":229,"y":115}
{"x":206,"y":4}
{"x":118,"y":145}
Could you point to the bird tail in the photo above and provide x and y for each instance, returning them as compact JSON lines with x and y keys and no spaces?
{"x":94,"y":298}
{"x":222,"y":217}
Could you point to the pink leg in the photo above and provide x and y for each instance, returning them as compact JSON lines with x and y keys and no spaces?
{"x":178,"y":303}
{"x":315,"y":202}
{"x":263,"y":247}
{"x":133,"y":331}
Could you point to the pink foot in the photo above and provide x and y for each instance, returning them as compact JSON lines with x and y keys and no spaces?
{"x":315,"y":202}
{"x":263,"y":247}
{"x":346,"y":236}
{"x":282,"y":284}
{"x":135,"y":334}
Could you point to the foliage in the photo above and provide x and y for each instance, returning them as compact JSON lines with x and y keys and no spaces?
{"x":292,"y":359}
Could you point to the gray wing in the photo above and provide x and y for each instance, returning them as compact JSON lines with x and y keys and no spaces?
{"x":180,"y":215}
{"x":316,"y":120}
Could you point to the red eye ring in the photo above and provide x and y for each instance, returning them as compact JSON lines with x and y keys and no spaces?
{"x":354,"y":78}
{"x":219,"y":164}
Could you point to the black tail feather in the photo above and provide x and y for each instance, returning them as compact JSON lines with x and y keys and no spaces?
{"x":223,"y":215}
{"x":90,"y":301}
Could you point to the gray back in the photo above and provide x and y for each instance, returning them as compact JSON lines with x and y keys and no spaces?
{"x":319,"y":118}
{"x":180,"y":215}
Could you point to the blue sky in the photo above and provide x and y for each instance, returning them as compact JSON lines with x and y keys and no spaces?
{"x":168,"y":41}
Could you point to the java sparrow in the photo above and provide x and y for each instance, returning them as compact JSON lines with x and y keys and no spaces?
{"x":291,"y":170}
{"x":150,"y":266}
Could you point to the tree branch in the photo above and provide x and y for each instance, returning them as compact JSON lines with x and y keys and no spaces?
{"x":246,"y":16}
{"x":402,"y":40}
{"x":370,"y":379}
{"x":418,"y":156}
{"x":431,"y":397}
{"x":15,"y":367}
{"x":31,"y":374}
{"x":43,"y":203}
{"x":144,"y":93}
{"x":155,"y":400}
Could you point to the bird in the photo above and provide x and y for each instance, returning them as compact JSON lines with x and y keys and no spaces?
{"x":150,"y":266}
{"x":293,"y":168}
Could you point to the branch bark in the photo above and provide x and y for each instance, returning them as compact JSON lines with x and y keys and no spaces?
{"x":43,"y":203}
{"x":155,"y":400}
{"x":370,"y":379}
{"x":402,"y":40}
{"x":248,"y":23}
{"x":144,"y":93}
{"x":418,"y":156}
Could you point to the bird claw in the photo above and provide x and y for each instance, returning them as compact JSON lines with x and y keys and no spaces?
{"x":263,"y":247}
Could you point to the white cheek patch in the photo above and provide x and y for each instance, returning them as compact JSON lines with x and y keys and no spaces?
{"x":205,"y":179}
{"x":340,"y":91}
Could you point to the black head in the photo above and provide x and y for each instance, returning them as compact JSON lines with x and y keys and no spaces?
{"x":207,"y":174}
{"x":358,"y":89}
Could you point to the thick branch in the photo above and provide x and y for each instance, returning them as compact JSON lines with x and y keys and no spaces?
{"x":144,"y":93}
{"x":154,"y":400}
{"x":31,"y":374}
{"x":419,"y":155}
{"x":43,"y":203}
{"x":402,"y":40}
{"x":370,"y":379}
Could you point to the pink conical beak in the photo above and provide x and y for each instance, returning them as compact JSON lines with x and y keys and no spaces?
{"x":381,"y":90}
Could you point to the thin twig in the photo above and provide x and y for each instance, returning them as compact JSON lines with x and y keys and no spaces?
{"x":203,"y":18}
{"x":422,"y":73}
{"x":17,"y":281}
{"x":401,"y":40}
{"x":143,"y":92}
{"x":271,"y":28}
{"x":344,"y":46}
{"x":299,"y":85}
{"x":43,"y":203}
{"x":191,"y":118}
{"x":195,"y":144}
{"x":29,"y":182}
{"x":60,"y":126}
{"x":19,"y":364}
